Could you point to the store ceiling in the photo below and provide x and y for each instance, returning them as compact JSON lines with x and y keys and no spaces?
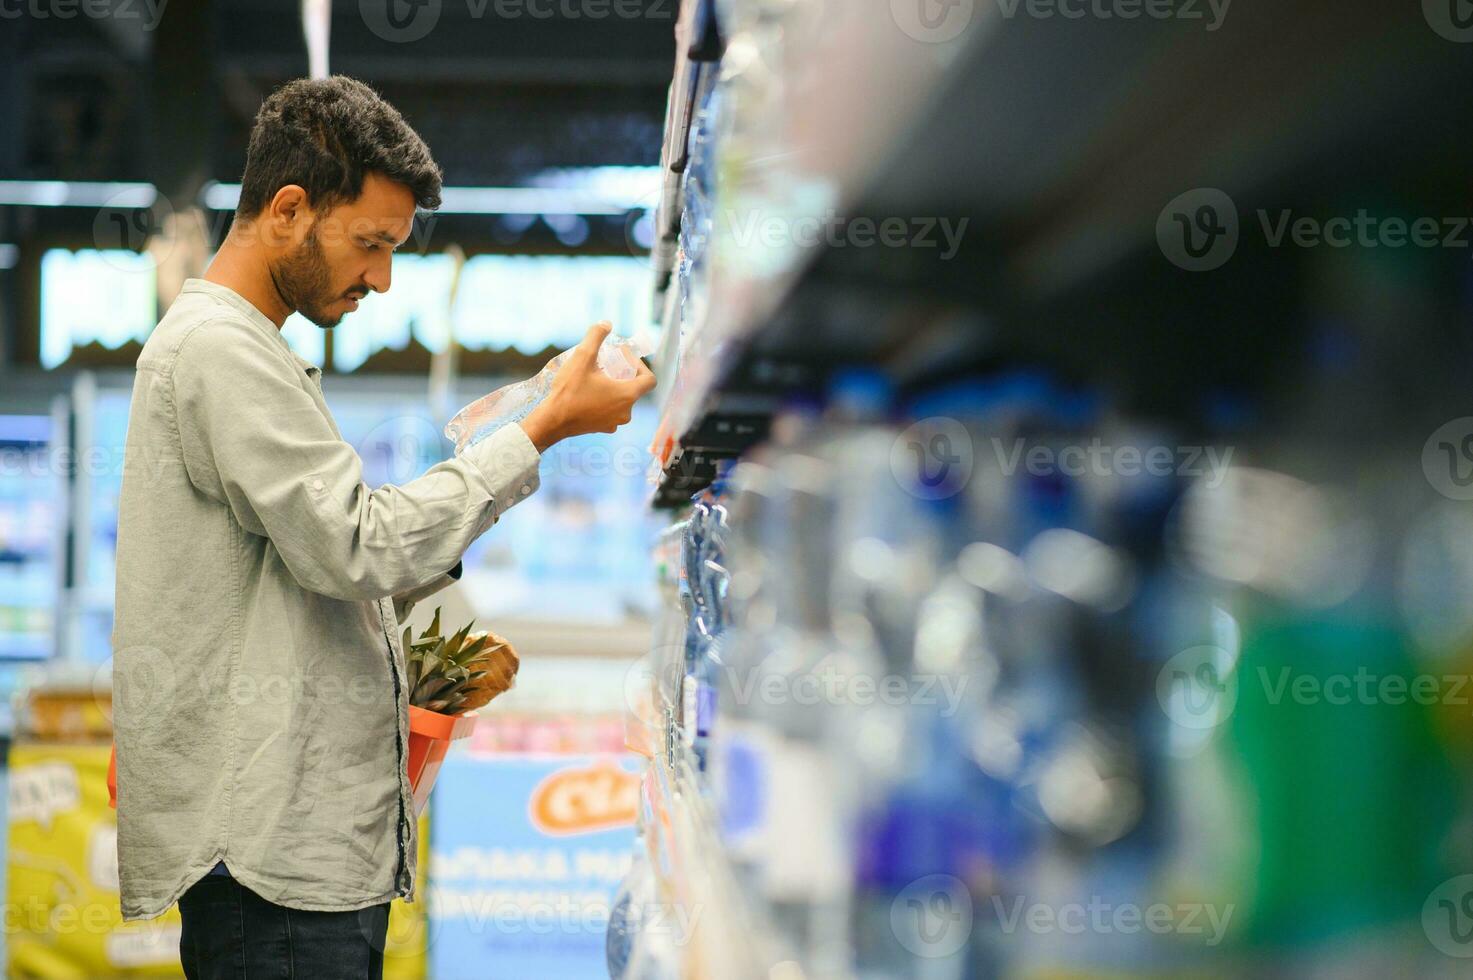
{"x":501,"y":89}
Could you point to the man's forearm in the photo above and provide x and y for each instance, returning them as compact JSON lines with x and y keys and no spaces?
{"x":543,"y":426}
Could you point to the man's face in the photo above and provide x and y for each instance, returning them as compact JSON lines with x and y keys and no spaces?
{"x":346,"y":252}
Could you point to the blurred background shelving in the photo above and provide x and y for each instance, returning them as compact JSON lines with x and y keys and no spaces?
{"x":1059,"y":142}
{"x":1146,"y":264}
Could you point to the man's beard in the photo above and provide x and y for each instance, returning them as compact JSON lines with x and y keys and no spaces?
{"x":305,"y":285}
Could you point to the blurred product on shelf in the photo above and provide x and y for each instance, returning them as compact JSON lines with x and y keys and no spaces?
{"x":60,"y":712}
{"x":31,"y":518}
{"x":993,"y":675}
{"x":909,"y":720}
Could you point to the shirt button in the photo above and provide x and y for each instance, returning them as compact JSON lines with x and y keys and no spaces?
{"x":318,"y":485}
{"x":526,"y":490}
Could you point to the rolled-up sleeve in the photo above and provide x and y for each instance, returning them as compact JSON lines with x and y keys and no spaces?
{"x":254,"y":439}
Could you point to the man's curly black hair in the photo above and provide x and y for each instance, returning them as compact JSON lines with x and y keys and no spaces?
{"x":325,"y":135}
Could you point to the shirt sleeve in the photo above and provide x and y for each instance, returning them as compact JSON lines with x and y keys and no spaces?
{"x":404,"y":602}
{"x":255,"y":440}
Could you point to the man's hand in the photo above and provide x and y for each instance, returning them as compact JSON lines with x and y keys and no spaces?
{"x":584,"y":399}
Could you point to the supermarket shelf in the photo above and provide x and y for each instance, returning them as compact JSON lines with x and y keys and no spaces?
{"x":734,"y":944}
{"x":1060,"y":142}
{"x":875,"y":79}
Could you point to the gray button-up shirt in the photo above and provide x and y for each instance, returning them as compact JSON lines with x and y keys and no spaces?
{"x":258,"y":678}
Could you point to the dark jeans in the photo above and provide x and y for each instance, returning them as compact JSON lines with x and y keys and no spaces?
{"x":231,"y":932}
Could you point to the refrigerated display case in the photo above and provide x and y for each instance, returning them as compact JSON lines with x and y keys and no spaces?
{"x":31,"y":521}
{"x":102,"y":435}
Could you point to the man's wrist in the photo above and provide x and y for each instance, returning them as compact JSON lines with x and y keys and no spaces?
{"x":543,"y":426}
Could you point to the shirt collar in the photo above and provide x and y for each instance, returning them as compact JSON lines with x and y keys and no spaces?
{"x":257,"y":319}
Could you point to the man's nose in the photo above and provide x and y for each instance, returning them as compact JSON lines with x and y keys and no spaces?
{"x":379,"y":275}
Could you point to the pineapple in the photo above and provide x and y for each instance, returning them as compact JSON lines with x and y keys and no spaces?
{"x":460,"y":674}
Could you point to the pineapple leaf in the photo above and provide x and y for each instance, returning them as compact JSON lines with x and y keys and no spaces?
{"x":458,"y":640}
{"x":411,"y":663}
{"x":470,"y":651}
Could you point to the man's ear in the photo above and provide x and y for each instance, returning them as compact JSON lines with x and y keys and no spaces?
{"x":284,"y":213}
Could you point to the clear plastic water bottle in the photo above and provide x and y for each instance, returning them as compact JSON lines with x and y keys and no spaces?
{"x":515,"y":402}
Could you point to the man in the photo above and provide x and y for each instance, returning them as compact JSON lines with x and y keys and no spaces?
{"x":259,"y":684}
